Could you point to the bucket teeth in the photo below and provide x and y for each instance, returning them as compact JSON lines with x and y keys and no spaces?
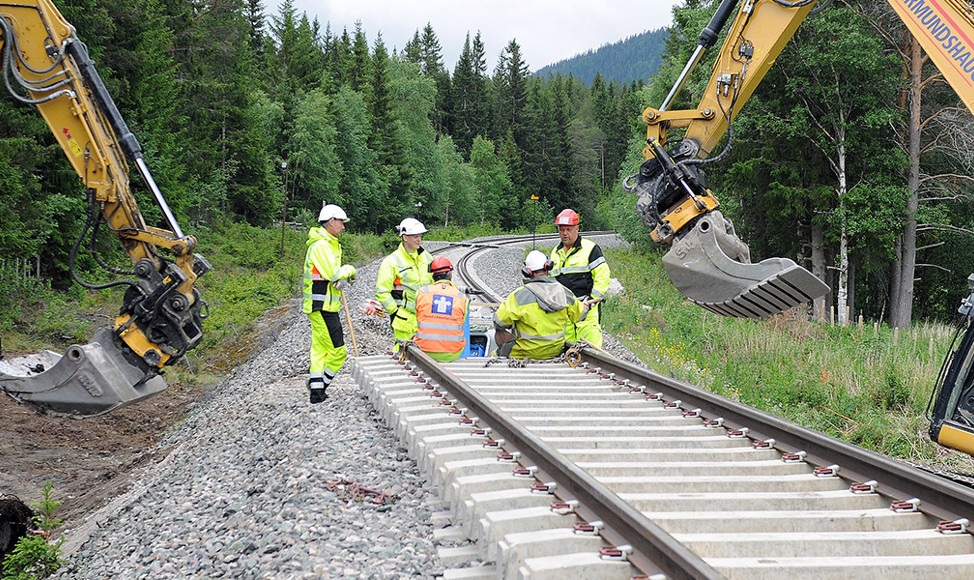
{"x":701,"y":269}
{"x":88,"y":380}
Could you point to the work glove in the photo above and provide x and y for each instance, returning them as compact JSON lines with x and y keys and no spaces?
{"x":346,"y":271}
{"x":586,"y":308}
{"x":373,"y":308}
{"x":318,"y":393}
{"x":342,"y":285}
{"x":474,"y":292}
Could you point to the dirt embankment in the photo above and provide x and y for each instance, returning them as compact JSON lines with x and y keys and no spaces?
{"x":87,"y":460}
{"x":91,"y":461}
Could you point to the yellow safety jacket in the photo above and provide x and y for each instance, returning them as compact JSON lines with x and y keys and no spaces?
{"x":401,"y":274}
{"x":538,"y":313}
{"x":582,"y":268}
{"x":322,"y":268}
{"x":441,"y":309}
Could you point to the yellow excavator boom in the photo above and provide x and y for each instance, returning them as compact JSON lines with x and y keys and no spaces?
{"x":707,"y":262}
{"x":44,"y":64}
{"x":945,"y":30}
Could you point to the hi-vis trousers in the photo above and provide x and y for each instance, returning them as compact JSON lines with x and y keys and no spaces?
{"x":328,"y":351}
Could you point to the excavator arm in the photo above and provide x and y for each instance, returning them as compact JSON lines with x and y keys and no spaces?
{"x":707,"y":262}
{"x":45,"y":65}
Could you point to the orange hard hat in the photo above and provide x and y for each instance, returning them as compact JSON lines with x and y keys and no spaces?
{"x":440,"y":264}
{"x":567,"y":217}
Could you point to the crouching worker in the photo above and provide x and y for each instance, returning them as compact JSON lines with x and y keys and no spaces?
{"x":537,"y":313}
{"x":324,"y":280}
{"x":441,"y":315}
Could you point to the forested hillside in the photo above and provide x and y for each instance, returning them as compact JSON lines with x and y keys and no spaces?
{"x":223,"y":97}
{"x":243,"y":113}
{"x":636,"y":58}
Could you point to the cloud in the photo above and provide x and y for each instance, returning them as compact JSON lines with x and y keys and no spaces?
{"x":546,"y":30}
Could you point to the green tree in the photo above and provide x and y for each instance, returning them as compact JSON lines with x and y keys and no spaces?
{"x":830,"y":53}
{"x":415,"y":184}
{"x":258,"y":38}
{"x":359,"y":73}
{"x":510,"y":94}
{"x":546,"y":148}
{"x":458,"y":177}
{"x":492,"y":183}
{"x":338,"y":57}
{"x":362,"y":185}
{"x":222,"y":136}
{"x":34,"y":556}
{"x":315,"y":166}
{"x":938,"y":141}
{"x":469,"y":99}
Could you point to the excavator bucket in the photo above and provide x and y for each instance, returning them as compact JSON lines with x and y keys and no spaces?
{"x":712,"y":268}
{"x":88,"y":380}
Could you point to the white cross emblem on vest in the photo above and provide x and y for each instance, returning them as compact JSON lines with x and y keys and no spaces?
{"x":442,"y":304}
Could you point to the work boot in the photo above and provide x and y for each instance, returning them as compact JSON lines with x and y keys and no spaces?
{"x":317,"y":390}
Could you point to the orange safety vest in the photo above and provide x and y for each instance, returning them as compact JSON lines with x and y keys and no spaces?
{"x":440,"y":311}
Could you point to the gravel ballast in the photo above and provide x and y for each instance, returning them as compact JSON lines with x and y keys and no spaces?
{"x":258,"y":483}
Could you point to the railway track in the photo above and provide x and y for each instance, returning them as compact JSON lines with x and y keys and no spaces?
{"x":591,"y":467}
{"x":560,"y":472}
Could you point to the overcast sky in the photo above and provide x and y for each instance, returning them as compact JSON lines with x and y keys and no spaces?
{"x":546,"y":30}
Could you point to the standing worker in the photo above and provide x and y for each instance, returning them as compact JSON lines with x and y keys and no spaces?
{"x":401,"y":274}
{"x":324,"y":280}
{"x":441,"y":314}
{"x":580,"y":266}
{"x":537,"y":313}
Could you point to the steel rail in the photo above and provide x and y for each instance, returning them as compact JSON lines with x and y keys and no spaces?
{"x":939,"y":497}
{"x":653,"y":548}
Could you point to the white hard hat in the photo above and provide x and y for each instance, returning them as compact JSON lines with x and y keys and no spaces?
{"x":536,"y":260}
{"x":332,"y":212}
{"x":410,"y":227}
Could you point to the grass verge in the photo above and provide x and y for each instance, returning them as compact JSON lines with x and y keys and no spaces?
{"x":868,"y":385}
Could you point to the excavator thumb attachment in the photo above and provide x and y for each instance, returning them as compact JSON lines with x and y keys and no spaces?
{"x":712,"y":268}
{"x":88,"y":380}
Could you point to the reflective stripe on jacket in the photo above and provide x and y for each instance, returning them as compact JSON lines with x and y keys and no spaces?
{"x":321,"y":266}
{"x":400,"y":275}
{"x":539,"y":312}
{"x":440,"y":312}
{"x":582,"y":268}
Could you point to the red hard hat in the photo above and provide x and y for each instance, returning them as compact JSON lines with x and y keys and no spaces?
{"x":440,"y":264}
{"x":567,"y":217}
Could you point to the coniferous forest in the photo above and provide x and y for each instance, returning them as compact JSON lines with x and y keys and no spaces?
{"x":636,"y":57}
{"x":245,"y":114}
